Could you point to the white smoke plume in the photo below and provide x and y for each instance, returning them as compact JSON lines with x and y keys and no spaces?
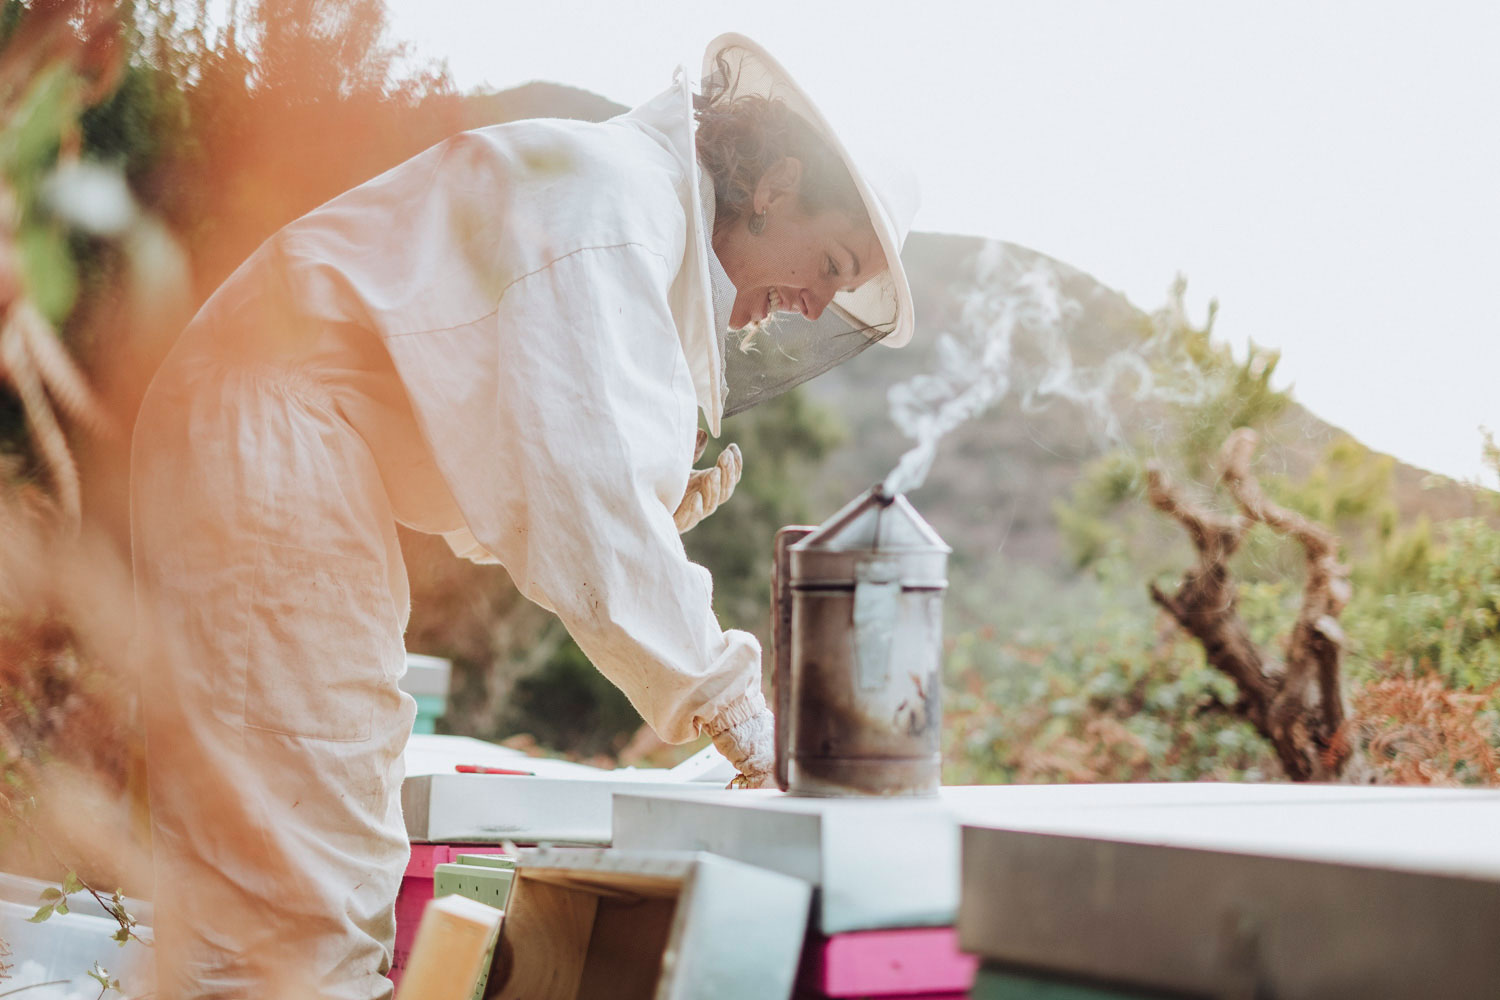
{"x":1012,"y":337}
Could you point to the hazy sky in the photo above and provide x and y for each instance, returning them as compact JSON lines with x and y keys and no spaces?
{"x":1330,"y":172}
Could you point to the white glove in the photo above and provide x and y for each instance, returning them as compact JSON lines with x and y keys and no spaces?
{"x":750,"y":746}
{"x":708,"y":488}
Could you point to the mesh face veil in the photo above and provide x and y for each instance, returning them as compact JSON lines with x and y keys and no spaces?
{"x":784,"y":351}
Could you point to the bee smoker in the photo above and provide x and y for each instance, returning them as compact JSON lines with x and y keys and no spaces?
{"x":857,"y":632}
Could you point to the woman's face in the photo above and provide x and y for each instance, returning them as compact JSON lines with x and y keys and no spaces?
{"x":798,"y":261}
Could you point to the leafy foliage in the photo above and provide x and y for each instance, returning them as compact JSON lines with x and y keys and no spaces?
{"x":1418,"y":730}
{"x":54,"y":899}
{"x":1115,"y":700}
{"x":568,"y":704}
{"x":1443,"y":623}
{"x":1124,"y":697}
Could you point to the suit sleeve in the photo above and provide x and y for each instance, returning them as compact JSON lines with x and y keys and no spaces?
{"x":568,"y":460}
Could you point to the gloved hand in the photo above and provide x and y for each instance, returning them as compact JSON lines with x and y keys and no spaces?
{"x":750,"y":746}
{"x":708,"y":488}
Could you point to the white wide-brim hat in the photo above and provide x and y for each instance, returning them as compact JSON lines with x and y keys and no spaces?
{"x":881,"y":306}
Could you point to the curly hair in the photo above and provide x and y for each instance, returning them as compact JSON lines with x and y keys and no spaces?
{"x":739,"y":138}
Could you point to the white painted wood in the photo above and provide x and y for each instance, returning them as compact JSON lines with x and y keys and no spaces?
{"x":428,"y":753}
{"x":1297,"y":892}
{"x":1436,"y":830}
{"x":492,"y":808}
{"x":1226,"y":924}
{"x":559,"y":802}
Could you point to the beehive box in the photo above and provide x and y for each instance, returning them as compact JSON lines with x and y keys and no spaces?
{"x":588,"y":924}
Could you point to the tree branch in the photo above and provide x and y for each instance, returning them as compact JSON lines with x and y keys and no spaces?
{"x":1206,"y":601}
{"x":1298,"y":708}
{"x":1314,"y":650}
{"x":1211,"y":534}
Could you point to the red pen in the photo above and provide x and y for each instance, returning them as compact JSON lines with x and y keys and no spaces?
{"x":482,"y":769}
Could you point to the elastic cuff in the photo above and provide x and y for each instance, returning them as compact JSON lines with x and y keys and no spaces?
{"x":749,"y":705}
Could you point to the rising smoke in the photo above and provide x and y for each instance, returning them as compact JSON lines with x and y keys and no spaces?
{"x":1015,"y":334}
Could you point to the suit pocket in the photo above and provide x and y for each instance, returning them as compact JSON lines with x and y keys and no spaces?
{"x":324,"y":639}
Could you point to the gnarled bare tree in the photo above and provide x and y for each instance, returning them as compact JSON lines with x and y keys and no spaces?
{"x":1295,"y":702}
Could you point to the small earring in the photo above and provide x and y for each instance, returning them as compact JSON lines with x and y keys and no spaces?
{"x":757,"y":223}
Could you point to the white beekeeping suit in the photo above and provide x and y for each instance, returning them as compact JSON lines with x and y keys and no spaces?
{"x":507,"y":340}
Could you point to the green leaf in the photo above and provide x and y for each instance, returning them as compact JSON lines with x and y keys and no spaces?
{"x":42,"y":913}
{"x":29,"y":142}
{"x":50,"y":275}
{"x":62,"y":906}
{"x":51,"y":892}
{"x":72,"y":883}
{"x":122,"y":936}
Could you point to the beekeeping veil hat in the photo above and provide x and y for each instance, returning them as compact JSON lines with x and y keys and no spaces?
{"x":790,"y":349}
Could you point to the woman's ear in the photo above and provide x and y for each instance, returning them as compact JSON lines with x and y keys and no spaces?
{"x":779,"y":183}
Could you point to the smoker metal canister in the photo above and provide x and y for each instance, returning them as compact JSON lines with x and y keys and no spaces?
{"x":857,"y":646}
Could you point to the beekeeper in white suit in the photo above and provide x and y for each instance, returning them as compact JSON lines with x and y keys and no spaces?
{"x":506,"y":340}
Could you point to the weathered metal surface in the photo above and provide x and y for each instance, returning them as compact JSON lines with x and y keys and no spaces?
{"x":858,"y":656}
{"x":850,"y":733}
{"x":781,"y":643}
{"x":1254,"y":891}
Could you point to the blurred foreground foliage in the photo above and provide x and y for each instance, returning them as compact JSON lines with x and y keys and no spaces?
{"x":142,"y":155}
{"x":224,"y":134}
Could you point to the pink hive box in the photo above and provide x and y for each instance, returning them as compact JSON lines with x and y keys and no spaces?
{"x":416,"y":891}
{"x":906,"y":963}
